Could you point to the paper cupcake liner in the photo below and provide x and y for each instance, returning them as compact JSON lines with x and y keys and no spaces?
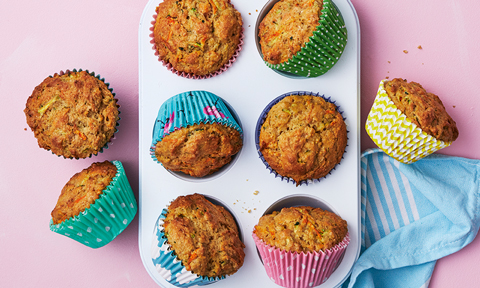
{"x":261,"y":120}
{"x":395,"y":134}
{"x":323,"y":49}
{"x":109,"y":142}
{"x":190,"y":108}
{"x":191,"y":75}
{"x":300,"y":270}
{"x":167,"y":264}
{"x":105,"y":219}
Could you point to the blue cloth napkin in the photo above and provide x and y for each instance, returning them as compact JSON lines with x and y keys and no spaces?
{"x":412,"y":215}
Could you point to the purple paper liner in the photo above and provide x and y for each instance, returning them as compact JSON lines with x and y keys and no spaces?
{"x":191,"y":75}
{"x":261,"y":120}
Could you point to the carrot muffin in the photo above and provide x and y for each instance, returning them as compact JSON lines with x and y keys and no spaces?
{"x":301,"y":229}
{"x":287,"y":27}
{"x":305,"y":38}
{"x":197,"y":36}
{"x":74,"y":114}
{"x":424,"y":109}
{"x":303,"y":137}
{"x":95,"y":205}
{"x":82,"y":190}
{"x":200,"y":149}
{"x":204,"y":236}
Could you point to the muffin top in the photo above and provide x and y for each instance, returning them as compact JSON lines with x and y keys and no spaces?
{"x":424,"y":109}
{"x":301,"y":229}
{"x":74,"y":115}
{"x":198,"y":150}
{"x":287,"y":27}
{"x":204,"y":236}
{"x":197,"y":36}
{"x":82,"y":190}
{"x":303,"y":137}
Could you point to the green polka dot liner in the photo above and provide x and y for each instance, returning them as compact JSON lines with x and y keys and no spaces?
{"x":106,"y":218}
{"x":324,"y":48}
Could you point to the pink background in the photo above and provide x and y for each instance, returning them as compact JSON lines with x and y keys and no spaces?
{"x":39,"y":38}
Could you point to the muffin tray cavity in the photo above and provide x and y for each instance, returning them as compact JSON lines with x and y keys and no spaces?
{"x":246,"y":187}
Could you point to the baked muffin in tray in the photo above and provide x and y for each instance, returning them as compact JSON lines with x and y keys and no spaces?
{"x":196,"y":242}
{"x":407,"y":122}
{"x":73,"y":114}
{"x":302,"y":136}
{"x":197,"y":37}
{"x":301,"y":38}
{"x":196,"y":134}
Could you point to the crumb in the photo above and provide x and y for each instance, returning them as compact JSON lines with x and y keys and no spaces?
{"x":256,"y":192}
{"x":248,"y":25}
{"x":453,"y":106}
{"x":249,"y":211}
{"x":247,"y":179}
{"x":256,"y":10}
{"x":389,"y":62}
{"x":249,"y":13}
{"x":387,"y":77}
{"x":422,"y":63}
{"x":237,"y":200}
{"x":388,"y":71}
{"x":256,"y":208}
{"x":419,"y":47}
{"x":405,"y":51}
{"x":25,"y":129}
{"x":234,"y":203}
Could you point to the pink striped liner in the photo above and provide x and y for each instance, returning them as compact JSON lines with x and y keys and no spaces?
{"x":191,"y":75}
{"x":300,"y":270}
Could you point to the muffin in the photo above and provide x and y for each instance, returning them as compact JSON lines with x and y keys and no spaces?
{"x":302,"y":137}
{"x":198,"y":150}
{"x":306,"y":46}
{"x":197,"y":37}
{"x":73,"y":114}
{"x":409,"y":123}
{"x":300,"y":238}
{"x":95,"y":205}
{"x":196,"y":242}
{"x":195,"y":134}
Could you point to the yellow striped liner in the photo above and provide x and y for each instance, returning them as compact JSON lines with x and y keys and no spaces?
{"x":396,"y":135}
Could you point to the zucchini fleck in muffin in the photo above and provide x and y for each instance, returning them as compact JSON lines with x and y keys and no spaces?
{"x":301,"y":229}
{"x":287,"y":28}
{"x":303,"y":137}
{"x":82,"y":190}
{"x":204,"y":236}
{"x":424,"y":109}
{"x":200,"y":149}
{"x":197,"y":36}
{"x":73,"y":114}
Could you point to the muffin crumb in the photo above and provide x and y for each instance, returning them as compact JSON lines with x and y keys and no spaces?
{"x":405,"y":51}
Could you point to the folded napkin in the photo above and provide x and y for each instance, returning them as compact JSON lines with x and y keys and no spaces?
{"x":412,"y":215}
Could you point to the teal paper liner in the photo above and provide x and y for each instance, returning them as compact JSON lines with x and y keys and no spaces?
{"x":190,"y":108}
{"x":324,"y":48}
{"x":166,"y":263}
{"x":105,"y":219}
{"x":118,"y":107}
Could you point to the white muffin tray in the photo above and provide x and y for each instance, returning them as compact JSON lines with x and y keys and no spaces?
{"x":248,"y":86}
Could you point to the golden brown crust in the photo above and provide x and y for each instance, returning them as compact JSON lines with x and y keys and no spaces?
{"x":301,"y":229}
{"x":204,"y":236}
{"x":303,"y":137}
{"x":82,"y":190}
{"x":197,"y":36}
{"x":73,"y":115}
{"x":287,"y":27}
{"x":198,"y":150}
{"x":424,"y":109}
